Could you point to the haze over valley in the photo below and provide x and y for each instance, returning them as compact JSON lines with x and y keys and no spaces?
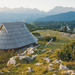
{"x":30,"y":15}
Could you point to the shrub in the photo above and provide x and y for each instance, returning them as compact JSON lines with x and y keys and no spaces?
{"x":48,"y":38}
{"x":4,"y":56}
{"x":67,"y":53}
{"x":36,"y":34}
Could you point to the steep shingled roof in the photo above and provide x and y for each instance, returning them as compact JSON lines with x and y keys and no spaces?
{"x":15,"y":35}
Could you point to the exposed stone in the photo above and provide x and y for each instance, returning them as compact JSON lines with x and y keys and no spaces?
{"x":20,"y":71}
{"x":46,"y":59}
{"x":63,"y":67}
{"x":28,"y":51}
{"x":50,"y":64}
{"x":39,"y":64}
{"x":73,"y":35}
{"x":8,"y":71}
{"x":29,"y":69}
{"x":68,"y":72}
{"x":73,"y":73}
{"x":1,"y":72}
{"x":50,"y":68}
{"x":45,"y":66}
{"x":33,"y":56}
{"x":57,"y":61}
{"x":26,"y":57}
{"x":11,"y":61}
{"x":22,"y":57}
{"x":54,"y":74}
{"x":37,"y":50}
{"x":60,"y":61}
{"x":43,"y":51}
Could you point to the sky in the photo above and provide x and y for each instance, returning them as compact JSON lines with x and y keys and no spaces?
{"x":43,"y":5}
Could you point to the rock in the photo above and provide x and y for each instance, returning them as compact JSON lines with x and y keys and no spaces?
{"x":63,"y":67}
{"x":1,"y":72}
{"x":45,"y":66}
{"x":33,"y":56}
{"x":46,"y":59}
{"x":68,"y":72}
{"x":29,"y":69}
{"x":28,"y":51}
{"x":26,"y":57}
{"x":50,"y":64}
{"x":20,"y":71}
{"x":22,"y":57}
{"x":73,"y":73}
{"x":73,"y":35}
{"x":37,"y":50}
{"x":11,"y":61}
{"x":60,"y":61}
{"x":43,"y":51}
{"x":51,"y":49}
{"x":8,"y":71}
{"x":50,"y":68}
{"x":54,"y":74}
{"x":39,"y":64}
{"x":57,"y":61}
{"x":12,"y":58}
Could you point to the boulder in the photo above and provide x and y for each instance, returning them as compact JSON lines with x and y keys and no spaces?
{"x":11,"y":61}
{"x":25,"y":57}
{"x":68,"y":72}
{"x":28,"y":51}
{"x":29,"y":69}
{"x":50,"y":64}
{"x":37,"y":50}
{"x":33,"y":56}
{"x":57,"y":61}
{"x":46,"y":59}
{"x":39,"y":64}
{"x":73,"y":35}
{"x":54,"y":74}
{"x":8,"y":71}
{"x":63,"y":67}
{"x":50,"y":68}
{"x":20,"y":71}
{"x":60,"y":61}
{"x":73,"y":73}
{"x":43,"y":51}
{"x":1,"y":72}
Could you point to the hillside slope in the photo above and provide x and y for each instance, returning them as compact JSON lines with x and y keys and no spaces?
{"x":69,"y":16}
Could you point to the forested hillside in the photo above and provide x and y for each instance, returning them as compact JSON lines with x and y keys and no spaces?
{"x":50,"y":25}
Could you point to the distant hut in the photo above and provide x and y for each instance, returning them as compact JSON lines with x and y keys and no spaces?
{"x":15,"y":35}
{"x":65,"y":28}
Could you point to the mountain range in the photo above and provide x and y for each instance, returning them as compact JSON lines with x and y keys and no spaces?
{"x":68,"y":16}
{"x":30,"y":15}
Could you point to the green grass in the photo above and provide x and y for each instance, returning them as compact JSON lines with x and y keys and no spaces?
{"x":41,"y":70}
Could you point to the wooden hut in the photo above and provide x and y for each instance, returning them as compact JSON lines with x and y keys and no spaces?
{"x":15,"y":35}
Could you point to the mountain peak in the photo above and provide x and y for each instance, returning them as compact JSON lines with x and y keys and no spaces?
{"x":60,"y":9}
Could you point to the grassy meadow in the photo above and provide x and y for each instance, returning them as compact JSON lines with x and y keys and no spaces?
{"x":21,"y":68}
